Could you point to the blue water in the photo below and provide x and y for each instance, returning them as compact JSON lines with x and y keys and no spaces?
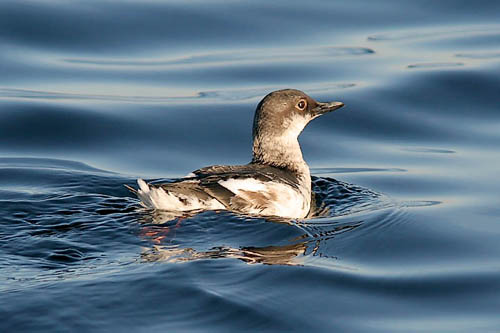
{"x":94,"y":94}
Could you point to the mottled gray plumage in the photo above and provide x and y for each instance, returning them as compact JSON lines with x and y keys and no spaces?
{"x":277,"y":159}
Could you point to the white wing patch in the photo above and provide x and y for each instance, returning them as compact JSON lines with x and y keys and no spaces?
{"x":247,"y":184}
{"x":280,"y":199}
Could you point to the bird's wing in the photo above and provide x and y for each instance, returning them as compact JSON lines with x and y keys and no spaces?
{"x":186,"y":188}
{"x":243,"y":187}
{"x":255,"y":171}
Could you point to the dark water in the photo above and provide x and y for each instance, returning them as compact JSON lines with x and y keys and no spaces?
{"x":94,"y":94}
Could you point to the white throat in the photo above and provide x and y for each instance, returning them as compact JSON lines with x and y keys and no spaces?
{"x":282,"y":150}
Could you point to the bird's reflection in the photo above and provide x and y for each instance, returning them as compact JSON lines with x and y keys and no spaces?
{"x":308,"y":244}
{"x":269,"y":255}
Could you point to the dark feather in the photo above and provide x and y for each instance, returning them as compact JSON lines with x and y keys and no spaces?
{"x":252,"y":170}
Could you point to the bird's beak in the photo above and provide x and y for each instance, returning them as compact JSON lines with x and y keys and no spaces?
{"x":322,"y":108}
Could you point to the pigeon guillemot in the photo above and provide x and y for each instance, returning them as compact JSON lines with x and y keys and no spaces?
{"x":277,"y":181}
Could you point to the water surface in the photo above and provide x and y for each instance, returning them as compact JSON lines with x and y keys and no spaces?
{"x":94,"y":94}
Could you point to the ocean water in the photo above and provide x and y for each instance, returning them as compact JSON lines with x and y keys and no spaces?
{"x":94,"y":94}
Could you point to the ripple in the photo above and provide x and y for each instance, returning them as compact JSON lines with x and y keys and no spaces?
{"x":51,"y":163}
{"x":54,"y":95}
{"x":422,"y":203}
{"x":429,"y":150}
{"x":233,"y":57}
{"x":431,"y":34}
{"x":336,"y":198}
{"x":67,"y":255}
{"x":251,"y":93}
{"x":354,"y":170}
{"x":479,"y":55}
{"x":436,"y":65}
{"x":221,"y":96}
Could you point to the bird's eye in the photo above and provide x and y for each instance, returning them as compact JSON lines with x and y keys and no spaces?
{"x":301,"y":105}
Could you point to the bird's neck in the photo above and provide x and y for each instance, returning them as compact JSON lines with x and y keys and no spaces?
{"x":281,"y":152}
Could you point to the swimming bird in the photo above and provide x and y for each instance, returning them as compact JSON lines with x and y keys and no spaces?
{"x":277,"y":182}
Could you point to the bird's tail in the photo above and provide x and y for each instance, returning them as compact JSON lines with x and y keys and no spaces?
{"x":161,"y":198}
{"x":145,"y":194}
